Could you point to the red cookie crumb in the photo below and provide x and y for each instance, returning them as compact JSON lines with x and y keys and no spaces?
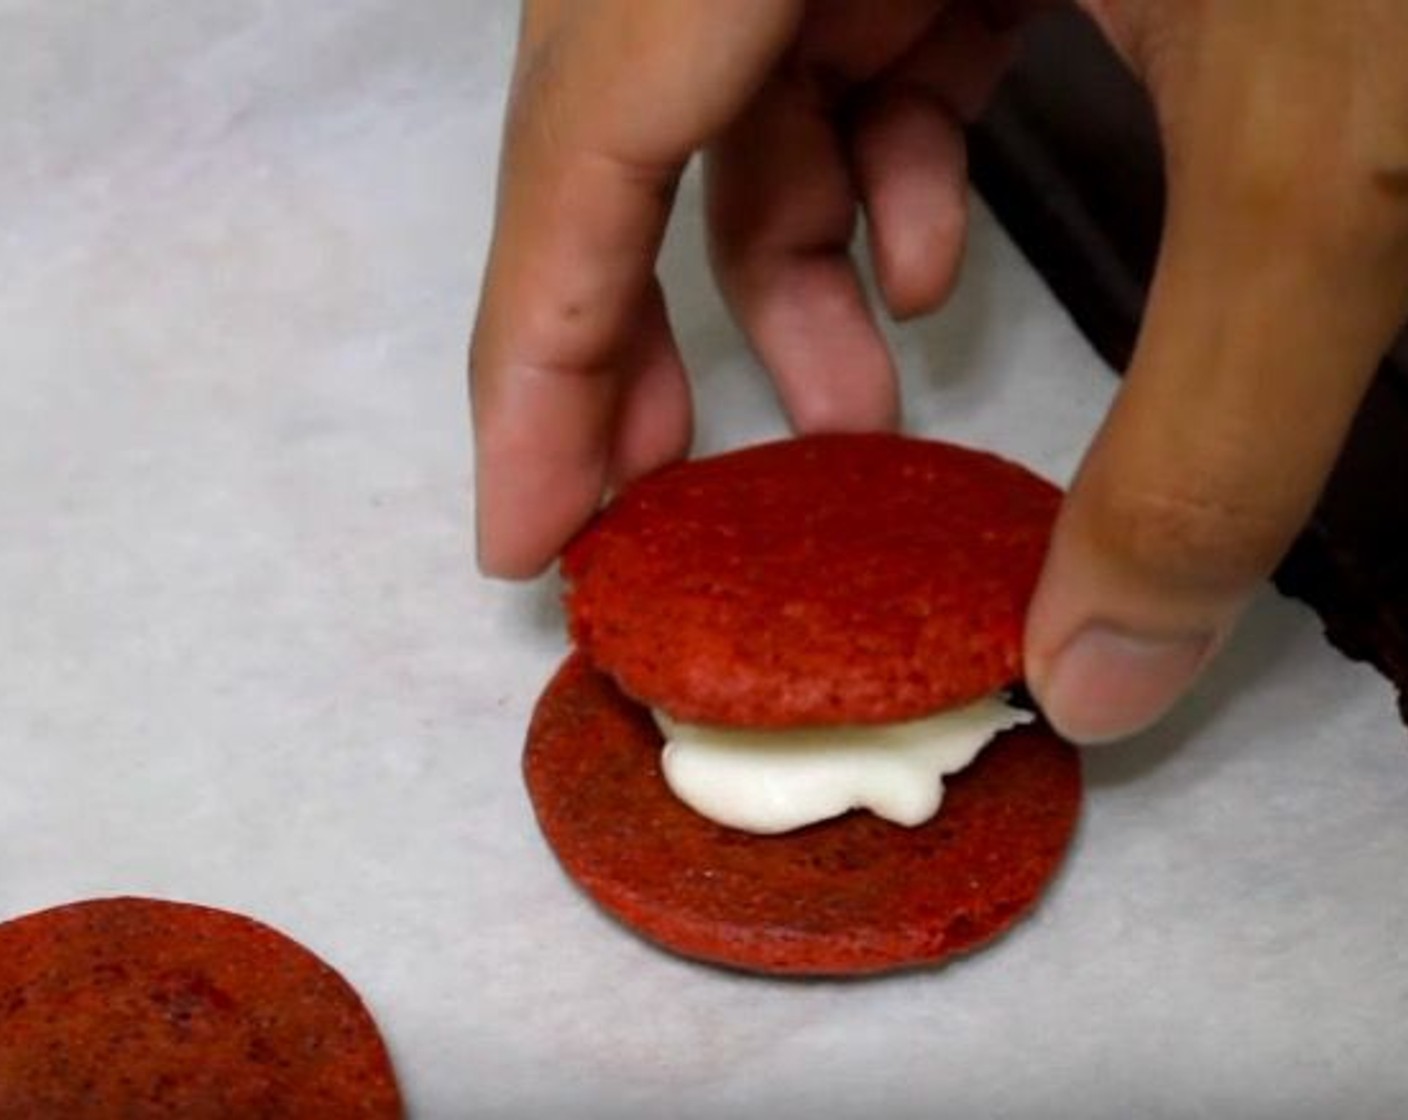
{"x":821,"y":580}
{"x":848,"y":896}
{"x":131,"y":1007}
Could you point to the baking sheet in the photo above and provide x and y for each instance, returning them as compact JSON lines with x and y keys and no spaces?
{"x":244,"y":659}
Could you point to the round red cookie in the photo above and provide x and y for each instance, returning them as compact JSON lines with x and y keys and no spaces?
{"x":848,"y":896}
{"x":130,"y":1007}
{"x":821,"y":580}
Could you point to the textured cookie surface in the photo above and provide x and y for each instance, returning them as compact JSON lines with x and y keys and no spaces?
{"x":849,"y":896}
{"x":137,"y":1008}
{"x":829,"y":579}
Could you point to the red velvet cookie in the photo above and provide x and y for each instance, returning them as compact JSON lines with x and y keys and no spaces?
{"x":822,"y":580}
{"x":847,"y":896}
{"x":130,"y":1007}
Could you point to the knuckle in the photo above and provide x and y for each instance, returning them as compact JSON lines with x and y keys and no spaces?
{"x":1187,"y":538}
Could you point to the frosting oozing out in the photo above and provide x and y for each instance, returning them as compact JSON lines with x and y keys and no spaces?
{"x":768,"y":781}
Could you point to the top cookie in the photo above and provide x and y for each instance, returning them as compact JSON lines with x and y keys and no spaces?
{"x":829,"y":579}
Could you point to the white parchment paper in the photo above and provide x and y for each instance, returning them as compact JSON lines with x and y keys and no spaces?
{"x":245,"y":661}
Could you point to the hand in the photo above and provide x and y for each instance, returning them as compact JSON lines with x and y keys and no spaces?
{"x":1281,"y":278}
{"x":808,"y":109}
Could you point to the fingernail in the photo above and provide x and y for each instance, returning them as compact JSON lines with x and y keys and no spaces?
{"x":1106,"y":683}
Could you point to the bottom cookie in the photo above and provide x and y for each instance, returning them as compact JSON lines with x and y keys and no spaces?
{"x":850,"y":896}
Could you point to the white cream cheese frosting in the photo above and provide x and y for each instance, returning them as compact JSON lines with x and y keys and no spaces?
{"x":768,"y":782}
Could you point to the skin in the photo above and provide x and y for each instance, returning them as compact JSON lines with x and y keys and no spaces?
{"x":1282,"y":278}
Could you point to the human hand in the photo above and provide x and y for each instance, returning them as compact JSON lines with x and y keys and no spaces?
{"x":807,"y":109}
{"x":1282,"y":277}
{"x":1277,"y":287}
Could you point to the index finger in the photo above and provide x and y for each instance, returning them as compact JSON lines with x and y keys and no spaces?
{"x":609,"y":101}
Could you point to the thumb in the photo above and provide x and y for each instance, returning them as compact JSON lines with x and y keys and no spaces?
{"x":1270,"y":308}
